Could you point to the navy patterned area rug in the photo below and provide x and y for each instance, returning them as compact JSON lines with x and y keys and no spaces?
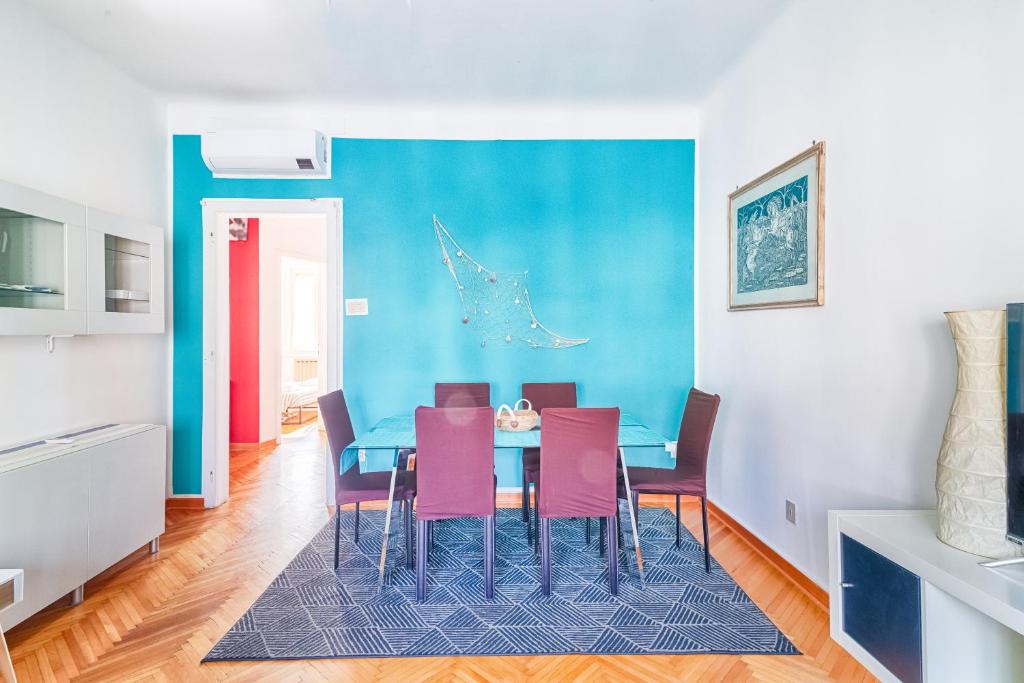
{"x":312,"y":611}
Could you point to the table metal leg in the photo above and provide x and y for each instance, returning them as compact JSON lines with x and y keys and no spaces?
{"x":387,"y":528}
{"x":632,"y":515}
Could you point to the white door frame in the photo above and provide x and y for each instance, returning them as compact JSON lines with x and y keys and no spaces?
{"x":217,"y":322}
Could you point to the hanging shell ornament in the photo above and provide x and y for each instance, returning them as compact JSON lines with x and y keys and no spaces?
{"x":509,"y":313}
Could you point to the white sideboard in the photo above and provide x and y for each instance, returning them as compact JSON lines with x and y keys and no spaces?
{"x":77,"y":504}
{"x":911,"y":608}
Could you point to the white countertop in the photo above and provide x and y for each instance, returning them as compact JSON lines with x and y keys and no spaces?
{"x":908,"y":538}
{"x":15,"y":456}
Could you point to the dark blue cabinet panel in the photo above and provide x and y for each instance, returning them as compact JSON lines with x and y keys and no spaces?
{"x":882,"y":609}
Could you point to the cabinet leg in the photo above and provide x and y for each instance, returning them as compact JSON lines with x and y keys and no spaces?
{"x":154,"y":546}
{"x":78,"y":595}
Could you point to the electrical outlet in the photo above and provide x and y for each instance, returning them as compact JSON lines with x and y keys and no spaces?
{"x":790,"y":511}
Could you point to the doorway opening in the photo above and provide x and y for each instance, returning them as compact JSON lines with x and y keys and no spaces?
{"x":302,"y":292}
{"x":272,"y":327}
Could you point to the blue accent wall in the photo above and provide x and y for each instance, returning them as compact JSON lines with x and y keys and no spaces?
{"x":605,"y":229}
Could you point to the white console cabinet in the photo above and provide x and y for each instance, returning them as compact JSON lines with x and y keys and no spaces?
{"x":911,"y":608}
{"x":75,"y":505}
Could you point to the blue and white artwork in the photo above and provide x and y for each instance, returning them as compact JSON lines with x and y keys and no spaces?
{"x":776,"y":233}
{"x":771,"y":244}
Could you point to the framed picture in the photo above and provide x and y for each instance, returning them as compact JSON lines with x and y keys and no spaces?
{"x":777,"y":236}
{"x":238,"y":230}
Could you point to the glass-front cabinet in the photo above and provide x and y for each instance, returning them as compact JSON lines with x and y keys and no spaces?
{"x":42,"y":263}
{"x":70,"y":269}
{"x":126,"y":275}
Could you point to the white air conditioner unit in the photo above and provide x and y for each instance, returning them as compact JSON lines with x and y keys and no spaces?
{"x":252,"y":153}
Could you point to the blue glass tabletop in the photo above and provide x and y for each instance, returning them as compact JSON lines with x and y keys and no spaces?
{"x":398,"y":432}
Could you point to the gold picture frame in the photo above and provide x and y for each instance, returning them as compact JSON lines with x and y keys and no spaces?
{"x":782,"y":216}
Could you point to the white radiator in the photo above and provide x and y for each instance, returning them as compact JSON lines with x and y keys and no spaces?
{"x":304,"y":368}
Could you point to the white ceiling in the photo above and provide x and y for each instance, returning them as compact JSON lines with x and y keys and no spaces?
{"x":459,"y":51}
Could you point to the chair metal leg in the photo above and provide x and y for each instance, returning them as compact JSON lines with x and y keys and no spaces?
{"x":602,"y":531}
{"x":618,"y":527}
{"x":526,"y":501}
{"x":337,"y":535}
{"x":636,"y":507}
{"x":707,"y":549}
{"x":528,"y":515}
{"x":489,"y":557}
{"x":588,"y":530}
{"x":545,"y":555}
{"x":407,"y":517}
{"x":430,"y":533}
{"x":536,"y":516}
{"x":613,"y":562}
{"x":357,"y":523}
{"x":422,"y":533}
{"x":677,"y":520}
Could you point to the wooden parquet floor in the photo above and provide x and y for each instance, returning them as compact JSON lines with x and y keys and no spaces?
{"x":153,"y":618}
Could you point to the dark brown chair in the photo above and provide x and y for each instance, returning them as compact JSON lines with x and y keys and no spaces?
{"x":578,"y":449}
{"x":462,"y":395}
{"x":689,"y":477}
{"x":455,"y":478}
{"x":542,"y":395}
{"x":352,"y":486}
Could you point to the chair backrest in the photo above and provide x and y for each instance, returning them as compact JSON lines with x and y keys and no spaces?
{"x":543,"y":395}
{"x":578,"y":448}
{"x":462,"y":395}
{"x":695,"y":433}
{"x":454,"y":462}
{"x":338,"y":423}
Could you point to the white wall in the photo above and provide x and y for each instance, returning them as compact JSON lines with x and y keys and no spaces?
{"x":844,"y":406}
{"x":301,"y":236}
{"x":416,"y":121}
{"x":73,"y":126}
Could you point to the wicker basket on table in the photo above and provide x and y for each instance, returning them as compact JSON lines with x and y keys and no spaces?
{"x":516,"y":419}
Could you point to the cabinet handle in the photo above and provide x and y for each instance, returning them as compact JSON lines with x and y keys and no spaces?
{"x":846,"y":584}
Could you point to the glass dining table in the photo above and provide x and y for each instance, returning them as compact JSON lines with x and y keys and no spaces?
{"x":398,"y":433}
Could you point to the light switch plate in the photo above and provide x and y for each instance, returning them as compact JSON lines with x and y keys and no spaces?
{"x":357,"y":307}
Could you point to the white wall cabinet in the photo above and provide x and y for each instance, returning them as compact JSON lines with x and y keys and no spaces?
{"x":71,"y":510}
{"x":42,"y":263}
{"x":70,"y":269}
{"x":126,"y":275}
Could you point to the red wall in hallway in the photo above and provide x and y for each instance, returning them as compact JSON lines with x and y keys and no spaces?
{"x":244,"y":294}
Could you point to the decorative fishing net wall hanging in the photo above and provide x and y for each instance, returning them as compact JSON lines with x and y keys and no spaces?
{"x":496,"y":304}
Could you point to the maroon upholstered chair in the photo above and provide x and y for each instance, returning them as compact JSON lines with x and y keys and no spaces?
{"x":542,"y":395}
{"x":689,"y":477}
{"x":578,"y":448}
{"x":352,"y":486}
{"x":462,"y":395}
{"x":454,"y":478}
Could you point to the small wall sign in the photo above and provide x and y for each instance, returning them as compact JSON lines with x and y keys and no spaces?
{"x":357,"y":307}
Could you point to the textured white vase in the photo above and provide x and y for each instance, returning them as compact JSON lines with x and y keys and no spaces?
{"x":970,"y":479}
